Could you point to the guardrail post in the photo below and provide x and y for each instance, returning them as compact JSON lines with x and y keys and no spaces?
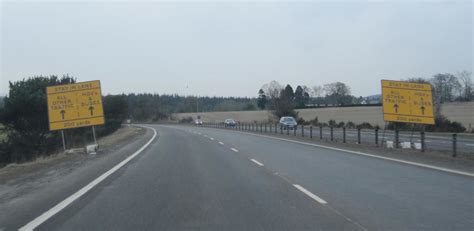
{"x":302,"y":130}
{"x":261,"y":127}
{"x":343,"y":134}
{"x":265,"y":128}
{"x":281,"y":130}
{"x":422,"y":140}
{"x":397,"y":138}
{"x":358,"y":135}
{"x":320,"y":132}
{"x":276,"y":128}
{"x":294,"y":129}
{"x":332,"y":133}
{"x":454,"y":145}
{"x":377,"y":136}
{"x":311,"y":132}
{"x":288,"y":131}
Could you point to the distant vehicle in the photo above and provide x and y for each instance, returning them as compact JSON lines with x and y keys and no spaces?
{"x":229,"y":123}
{"x":288,"y":122}
{"x":198,"y":122}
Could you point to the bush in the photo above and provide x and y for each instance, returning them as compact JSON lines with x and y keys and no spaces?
{"x":442,"y":124}
{"x":340,"y":124}
{"x":314,"y":121}
{"x":350,"y":124}
{"x":25,"y":118}
{"x":365,"y":125}
{"x":186,"y":120}
{"x":332,"y":123}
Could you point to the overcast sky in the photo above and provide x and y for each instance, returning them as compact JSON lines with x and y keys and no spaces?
{"x":233,"y":48}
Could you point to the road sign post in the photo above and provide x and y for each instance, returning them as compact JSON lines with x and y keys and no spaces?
{"x":422,"y":140}
{"x":93,"y":133}
{"x":64,"y":140}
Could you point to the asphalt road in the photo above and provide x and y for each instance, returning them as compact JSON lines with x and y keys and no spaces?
{"x":439,"y":142}
{"x":207,"y":179}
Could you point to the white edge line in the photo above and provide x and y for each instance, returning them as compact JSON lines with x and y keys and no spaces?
{"x":310,"y":194}
{"x":233,"y":149}
{"x":371,"y":155}
{"x":63,"y":204}
{"x":256,"y":161}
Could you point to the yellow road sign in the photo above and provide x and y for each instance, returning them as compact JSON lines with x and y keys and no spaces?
{"x":407,"y":102}
{"x":75,"y":105}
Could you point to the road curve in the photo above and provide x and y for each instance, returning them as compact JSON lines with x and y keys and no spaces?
{"x":209,"y":179}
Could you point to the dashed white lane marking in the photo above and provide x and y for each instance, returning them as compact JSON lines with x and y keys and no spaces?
{"x":310,"y":194}
{"x":233,"y":149}
{"x":368,"y":155}
{"x":63,"y":204}
{"x":199,"y":133}
{"x":211,"y":138}
{"x":221,"y":143}
{"x":255,"y":161}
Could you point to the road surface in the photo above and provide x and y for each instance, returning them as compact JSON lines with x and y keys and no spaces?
{"x":209,"y":179}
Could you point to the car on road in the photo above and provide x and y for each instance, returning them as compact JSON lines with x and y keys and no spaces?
{"x":288,"y":122}
{"x":198,"y":122}
{"x":229,"y":123}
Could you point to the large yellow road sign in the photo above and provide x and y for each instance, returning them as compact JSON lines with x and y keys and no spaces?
{"x":407,"y":102}
{"x":75,"y":105}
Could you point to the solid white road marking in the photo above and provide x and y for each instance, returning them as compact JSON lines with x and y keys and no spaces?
{"x":233,"y":149}
{"x":221,"y":143}
{"x":63,"y":204}
{"x":308,"y":193}
{"x":369,"y":155}
{"x":255,"y":161}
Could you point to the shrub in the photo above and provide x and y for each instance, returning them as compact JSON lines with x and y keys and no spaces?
{"x":314,"y":121}
{"x":365,"y":125}
{"x":340,"y":124}
{"x":186,"y":120}
{"x":350,"y":124}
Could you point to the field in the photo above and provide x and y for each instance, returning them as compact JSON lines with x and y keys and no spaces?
{"x":460,"y":112}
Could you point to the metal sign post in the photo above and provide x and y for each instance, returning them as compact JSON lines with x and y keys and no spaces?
{"x":93,"y":133}
{"x":64,"y":140}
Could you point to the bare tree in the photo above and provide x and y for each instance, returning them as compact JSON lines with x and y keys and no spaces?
{"x":272,"y":89}
{"x":465,"y":79}
{"x":444,"y":86}
{"x":317,"y":92}
{"x":339,"y":91}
